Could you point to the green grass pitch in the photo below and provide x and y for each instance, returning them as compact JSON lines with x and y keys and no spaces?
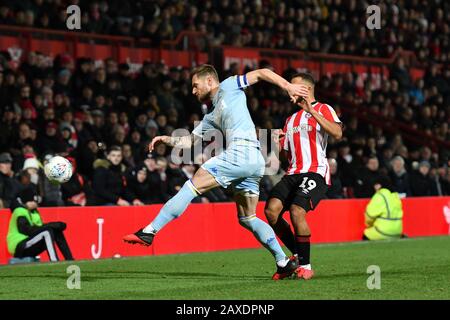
{"x":410,"y":269}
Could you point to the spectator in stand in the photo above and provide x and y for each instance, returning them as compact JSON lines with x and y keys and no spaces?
{"x":438,"y":183}
{"x":33,"y":167}
{"x":443,"y":179}
{"x":128,"y":157}
{"x":46,"y":115}
{"x":159,"y":189}
{"x":99,"y":85}
{"x":427,"y":155}
{"x":335,"y":191}
{"x":421,"y":183}
{"x":97,"y":128}
{"x":25,"y":136}
{"x":416,"y":91}
{"x":400,"y":73}
{"x":69,"y":139}
{"x":161,"y":170}
{"x":8,"y":185}
{"x":138,"y":185}
{"x":399,"y":177}
{"x":86,"y":157}
{"x":83,"y":76}
{"x":386,"y":158}
{"x":62,"y":85}
{"x":8,"y":127}
{"x":365,"y":178}
{"x":109,"y":182}
{"x":125,"y":79}
{"x":346,"y":164}
{"x":137,"y":145}
{"x":49,"y":141}
{"x":77,"y":191}
{"x":51,"y":192}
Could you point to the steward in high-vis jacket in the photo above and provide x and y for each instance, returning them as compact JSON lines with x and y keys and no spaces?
{"x":28,"y":236}
{"x":384,"y":214}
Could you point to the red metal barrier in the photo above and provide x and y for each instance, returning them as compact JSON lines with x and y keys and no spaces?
{"x":214,"y":227}
{"x":181,"y":51}
{"x":317,"y":63}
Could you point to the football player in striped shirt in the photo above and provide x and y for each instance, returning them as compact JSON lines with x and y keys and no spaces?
{"x":304,"y":138}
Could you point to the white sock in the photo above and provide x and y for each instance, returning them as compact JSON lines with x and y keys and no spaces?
{"x":306,"y":266}
{"x":149,"y":229}
{"x":283,"y":263}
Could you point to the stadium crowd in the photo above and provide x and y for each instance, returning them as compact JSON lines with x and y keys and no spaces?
{"x":103,"y":117}
{"x":327,"y":26}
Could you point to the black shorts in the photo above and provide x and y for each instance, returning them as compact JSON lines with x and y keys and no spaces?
{"x":304,"y":190}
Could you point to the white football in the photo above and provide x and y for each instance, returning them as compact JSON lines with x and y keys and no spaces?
{"x":58,"y":169}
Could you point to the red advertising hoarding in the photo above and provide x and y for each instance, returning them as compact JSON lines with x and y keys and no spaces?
{"x":96,"y":232}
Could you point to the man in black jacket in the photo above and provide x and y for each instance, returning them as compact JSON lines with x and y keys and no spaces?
{"x":365,"y":178}
{"x":138,"y":185}
{"x":335,"y":191}
{"x":399,"y":177}
{"x":77,"y":191}
{"x":109,"y":183}
{"x":421,"y":183}
{"x":8,"y":185}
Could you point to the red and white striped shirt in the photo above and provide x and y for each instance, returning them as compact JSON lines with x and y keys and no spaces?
{"x":306,"y":142}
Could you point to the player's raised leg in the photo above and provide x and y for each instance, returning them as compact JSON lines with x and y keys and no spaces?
{"x":201,"y":182}
{"x":303,"y":244}
{"x":246,"y":205}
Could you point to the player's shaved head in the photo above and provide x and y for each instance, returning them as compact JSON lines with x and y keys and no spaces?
{"x":305,"y":76}
{"x":205,"y":70}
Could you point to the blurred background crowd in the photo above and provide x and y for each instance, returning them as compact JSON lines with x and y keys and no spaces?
{"x":102,"y":116}
{"x":327,"y":26}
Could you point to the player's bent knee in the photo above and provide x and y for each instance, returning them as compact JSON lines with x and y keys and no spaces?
{"x":298,"y":212}
{"x":273,"y":211}
{"x":271,"y":215}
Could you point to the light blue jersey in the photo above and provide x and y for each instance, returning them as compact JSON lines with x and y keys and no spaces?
{"x":242,"y":162}
{"x":229,"y":113}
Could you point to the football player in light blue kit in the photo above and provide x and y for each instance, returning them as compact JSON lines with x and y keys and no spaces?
{"x":241,"y":164}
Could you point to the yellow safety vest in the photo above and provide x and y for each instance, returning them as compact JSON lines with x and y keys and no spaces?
{"x":14,"y":236}
{"x":385,"y":211}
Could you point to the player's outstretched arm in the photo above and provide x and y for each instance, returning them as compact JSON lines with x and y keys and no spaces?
{"x":179,"y":142}
{"x":294,"y":90}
